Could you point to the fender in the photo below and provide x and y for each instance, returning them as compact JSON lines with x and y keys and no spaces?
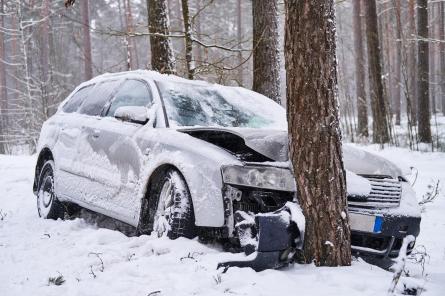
{"x":198,"y":162}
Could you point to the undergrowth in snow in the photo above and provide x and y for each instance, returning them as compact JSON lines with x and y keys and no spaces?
{"x":86,"y":256}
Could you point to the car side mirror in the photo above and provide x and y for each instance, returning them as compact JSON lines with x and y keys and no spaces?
{"x":136,"y":114}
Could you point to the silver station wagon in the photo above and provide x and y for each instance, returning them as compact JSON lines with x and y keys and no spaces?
{"x":189,"y":158}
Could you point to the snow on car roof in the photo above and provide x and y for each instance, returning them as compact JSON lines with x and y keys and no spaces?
{"x":146,"y":74}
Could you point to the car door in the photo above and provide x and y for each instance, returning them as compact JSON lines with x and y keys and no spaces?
{"x":90,"y":150}
{"x":120,"y":174}
{"x":65,"y":148}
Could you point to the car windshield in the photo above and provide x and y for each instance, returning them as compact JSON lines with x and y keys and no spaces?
{"x":189,"y":104}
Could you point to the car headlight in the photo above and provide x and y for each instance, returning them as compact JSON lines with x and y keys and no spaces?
{"x":261,"y":177}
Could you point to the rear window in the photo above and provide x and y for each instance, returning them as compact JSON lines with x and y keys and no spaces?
{"x":98,"y":97}
{"x":77,"y":99}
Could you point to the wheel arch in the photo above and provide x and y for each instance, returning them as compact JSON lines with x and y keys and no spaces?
{"x":44,"y":155}
{"x":145,"y":221}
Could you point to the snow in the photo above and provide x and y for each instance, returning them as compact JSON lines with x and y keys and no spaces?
{"x":32,"y":250}
{"x":356,"y":185}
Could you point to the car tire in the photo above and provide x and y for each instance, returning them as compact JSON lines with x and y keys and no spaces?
{"x":172,"y":206}
{"x":48,"y":206}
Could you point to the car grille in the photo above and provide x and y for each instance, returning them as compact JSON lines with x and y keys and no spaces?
{"x":385,"y":193}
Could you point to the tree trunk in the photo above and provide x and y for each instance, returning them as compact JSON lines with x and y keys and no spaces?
{"x":398,"y":62}
{"x":44,"y":57}
{"x":362,"y":109}
{"x":198,"y":26}
{"x":442,"y":55}
{"x":162,"y":59}
{"x":188,"y":40}
{"x":3,"y":91}
{"x":88,"y":61}
{"x":423,"y":100}
{"x":378,"y":106}
{"x":412,"y":64}
{"x":266,"y":60}
{"x":314,"y":132}
{"x":239,"y":33}
{"x":432,"y":55}
{"x":132,"y":62}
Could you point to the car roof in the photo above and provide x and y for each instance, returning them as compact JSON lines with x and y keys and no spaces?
{"x":144,"y":74}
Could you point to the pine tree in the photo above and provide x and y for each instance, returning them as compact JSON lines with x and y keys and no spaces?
{"x":88,"y":60}
{"x":266,"y":61}
{"x":362,"y":106}
{"x":314,"y":132}
{"x":162,"y":59}
{"x":380,"y":132}
{"x":423,"y":98}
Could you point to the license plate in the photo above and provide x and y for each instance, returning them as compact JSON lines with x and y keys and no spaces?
{"x":366,"y":223}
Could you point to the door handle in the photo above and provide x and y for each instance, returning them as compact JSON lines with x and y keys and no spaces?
{"x":96,"y":134}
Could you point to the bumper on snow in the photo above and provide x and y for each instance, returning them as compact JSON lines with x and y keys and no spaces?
{"x":276,"y":238}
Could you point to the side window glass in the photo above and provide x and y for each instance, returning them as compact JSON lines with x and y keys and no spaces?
{"x":98,"y":97}
{"x":77,"y":99}
{"x":131,"y":93}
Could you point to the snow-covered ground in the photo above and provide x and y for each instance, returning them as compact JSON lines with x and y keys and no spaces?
{"x":101,"y":261}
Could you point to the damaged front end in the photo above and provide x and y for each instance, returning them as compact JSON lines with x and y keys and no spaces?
{"x":270,"y":240}
{"x":260,"y":210}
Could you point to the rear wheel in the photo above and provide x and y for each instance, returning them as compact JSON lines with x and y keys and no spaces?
{"x":48,"y":206}
{"x":172,"y":206}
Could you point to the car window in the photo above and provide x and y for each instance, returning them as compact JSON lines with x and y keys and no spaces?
{"x":131,"y":93}
{"x":77,"y":99}
{"x":98,"y":97}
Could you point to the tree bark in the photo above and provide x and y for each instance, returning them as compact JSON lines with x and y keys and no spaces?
{"x":162,"y":59}
{"x":44,"y":57}
{"x":132,"y":60}
{"x":3,"y":91}
{"x":398,"y":62}
{"x":442,"y":54}
{"x":378,"y":106}
{"x":314,"y":132}
{"x":362,"y":108}
{"x":423,"y":100}
{"x":239,"y":33}
{"x":412,"y":64}
{"x":266,"y":60}
{"x":188,"y":40}
{"x":88,"y":60}
{"x":432,"y":55}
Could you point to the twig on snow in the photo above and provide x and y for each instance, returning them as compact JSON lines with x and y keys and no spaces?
{"x":430,"y":195}
{"x":102,"y":267}
{"x":399,"y":266}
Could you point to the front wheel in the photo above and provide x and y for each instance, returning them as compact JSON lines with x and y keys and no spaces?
{"x":172,"y":206}
{"x":48,"y":206}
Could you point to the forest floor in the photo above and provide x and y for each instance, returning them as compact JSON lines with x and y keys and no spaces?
{"x":77,"y":257}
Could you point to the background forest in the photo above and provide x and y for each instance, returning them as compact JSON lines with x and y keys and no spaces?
{"x":46,"y":50}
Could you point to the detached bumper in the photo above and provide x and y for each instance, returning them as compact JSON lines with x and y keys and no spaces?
{"x":384,"y":237}
{"x":275,"y":242}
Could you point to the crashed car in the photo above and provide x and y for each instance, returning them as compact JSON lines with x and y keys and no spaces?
{"x":187,"y":158}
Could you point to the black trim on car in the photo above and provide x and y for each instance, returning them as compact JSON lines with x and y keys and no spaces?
{"x":163,"y":104}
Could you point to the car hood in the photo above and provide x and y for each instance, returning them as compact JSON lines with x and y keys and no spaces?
{"x":273,"y":144}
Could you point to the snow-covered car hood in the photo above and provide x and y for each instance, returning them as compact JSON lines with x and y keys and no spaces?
{"x":273,"y":144}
